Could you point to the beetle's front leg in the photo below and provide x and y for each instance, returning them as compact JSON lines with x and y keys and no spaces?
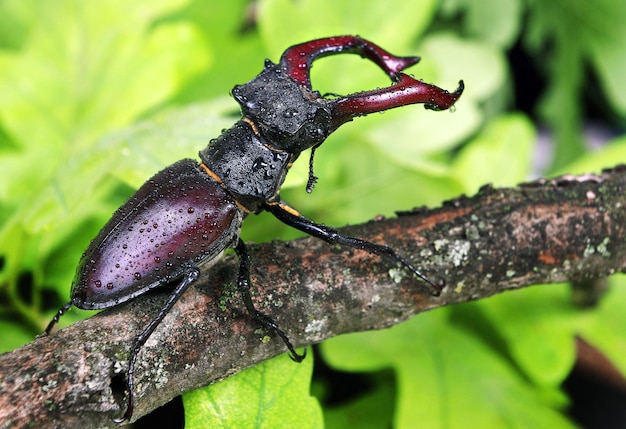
{"x":291,"y":217}
{"x":243,"y":283}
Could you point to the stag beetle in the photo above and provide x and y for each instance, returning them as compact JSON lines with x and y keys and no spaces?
{"x":188,"y":214}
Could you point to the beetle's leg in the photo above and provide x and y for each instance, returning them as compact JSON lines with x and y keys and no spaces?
{"x":243,"y":282}
{"x":291,"y":217}
{"x":296,"y":61}
{"x":405,"y":90}
{"x":57,"y":316}
{"x":188,"y":278}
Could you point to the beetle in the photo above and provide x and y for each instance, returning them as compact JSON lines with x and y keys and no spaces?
{"x":187,"y":215}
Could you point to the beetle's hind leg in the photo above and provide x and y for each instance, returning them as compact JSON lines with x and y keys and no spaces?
{"x":291,"y":217}
{"x":243,"y":283}
{"x":187,"y":279}
{"x":56,"y":317}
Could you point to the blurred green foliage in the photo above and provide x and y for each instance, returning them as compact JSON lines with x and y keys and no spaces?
{"x":97,"y":97}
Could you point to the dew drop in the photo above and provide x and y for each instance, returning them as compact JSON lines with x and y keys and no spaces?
{"x":137,"y":276}
{"x":98,"y":283}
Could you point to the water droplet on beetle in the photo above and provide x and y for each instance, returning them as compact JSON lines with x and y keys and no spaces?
{"x":137,"y":276}
{"x":290,"y":113}
{"x":258,"y":164}
{"x":98,"y":283}
{"x":190,"y":210}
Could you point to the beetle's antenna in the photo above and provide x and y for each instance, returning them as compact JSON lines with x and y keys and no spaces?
{"x":310,"y":184}
{"x":57,"y":316}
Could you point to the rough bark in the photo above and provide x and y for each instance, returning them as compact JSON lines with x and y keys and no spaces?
{"x":567,"y":229}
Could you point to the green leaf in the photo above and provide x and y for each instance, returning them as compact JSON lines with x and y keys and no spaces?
{"x":503,"y":16}
{"x":609,"y":155}
{"x":284,"y":22}
{"x":537,"y":326}
{"x":14,"y":335}
{"x":14,"y":28}
{"x":501,"y":154}
{"x":66,"y":86}
{"x":237,"y":50}
{"x":446,"y":377}
{"x":579,"y":34}
{"x":604,"y":37}
{"x":372,"y":410}
{"x":273,"y":394}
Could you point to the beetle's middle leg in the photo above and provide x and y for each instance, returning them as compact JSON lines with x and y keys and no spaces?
{"x":291,"y":217}
{"x":243,"y":283}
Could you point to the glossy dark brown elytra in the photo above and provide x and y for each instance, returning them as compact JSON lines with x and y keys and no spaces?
{"x":176,"y":220}
{"x":188,"y":214}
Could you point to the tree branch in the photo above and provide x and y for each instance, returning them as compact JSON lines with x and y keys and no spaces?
{"x":567,"y":229}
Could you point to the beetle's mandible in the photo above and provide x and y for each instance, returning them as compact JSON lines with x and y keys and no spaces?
{"x":188,"y":214}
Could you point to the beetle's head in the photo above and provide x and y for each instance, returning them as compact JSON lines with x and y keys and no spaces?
{"x":289,"y":116}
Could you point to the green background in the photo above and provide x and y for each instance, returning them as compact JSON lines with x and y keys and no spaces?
{"x":95,"y":97}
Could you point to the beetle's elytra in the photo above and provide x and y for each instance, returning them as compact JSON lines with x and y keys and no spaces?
{"x":178,"y":219}
{"x":188,"y":214}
